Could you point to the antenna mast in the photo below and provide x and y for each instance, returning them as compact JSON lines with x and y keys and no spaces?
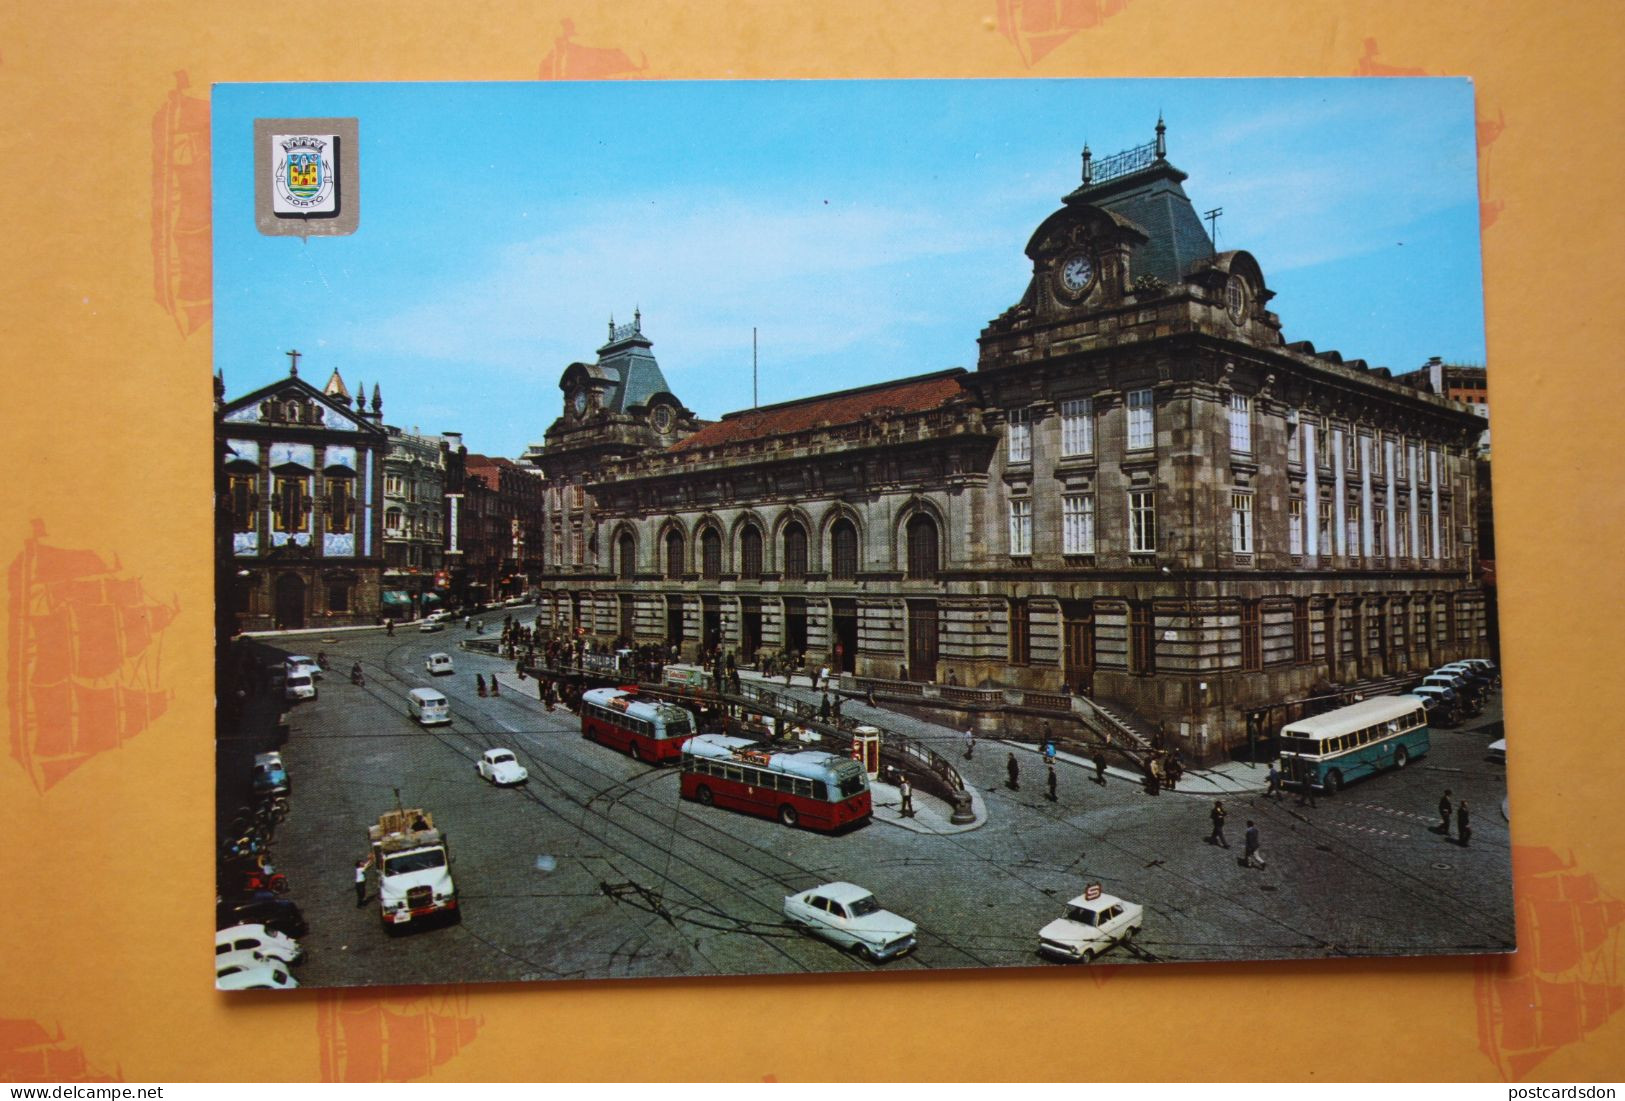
{"x":755,"y":402}
{"x":1212,"y":217}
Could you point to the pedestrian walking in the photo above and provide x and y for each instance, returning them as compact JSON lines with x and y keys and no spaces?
{"x":906,"y":790}
{"x":496,"y":689}
{"x":1217,"y":816}
{"x":970,"y":743}
{"x":479,"y":682}
{"x":1049,"y":782}
{"x":361,"y":867}
{"x":823,"y":708}
{"x":1253,"y":858}
{"x":1274,"y":778}
{"x":389,"y":628}
{"x":1049,"y":748}
{"x":1306,"y":793}
{"x":1463,"y":832}
{"x":1445,"y":809}
{"x":1012,"y":773}
{"x":1100,"y":768}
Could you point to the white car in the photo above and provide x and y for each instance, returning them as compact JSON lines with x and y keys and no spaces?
{"x":251,"y":971}
{"x":257,"y":938}
{"x":437,"y":664}
{"x":1091,"y":925}
{"x":437,"y":617}
{"x":848,"y":915}
{"x":501,"y":767}
{"x":432,"y":625}
{"x":1497,"y":751}
{"x":299,"y":663}
{"x":299,"y":686}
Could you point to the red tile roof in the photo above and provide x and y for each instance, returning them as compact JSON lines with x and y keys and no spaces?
{"x":910,"y":395}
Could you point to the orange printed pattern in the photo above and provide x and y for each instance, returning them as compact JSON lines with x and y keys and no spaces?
{"x":29,"y":1052}
{"x":181,"y":258}
{"x":1486,"y":130}
{"x":569,"y":61}
{"x":1036,"y":27}
{"x":369,"y":1037}
{"x":1564,"y":981}
{"x":82,"y":658}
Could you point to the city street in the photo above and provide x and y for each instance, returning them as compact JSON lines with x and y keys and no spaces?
{"x":596,"y":868}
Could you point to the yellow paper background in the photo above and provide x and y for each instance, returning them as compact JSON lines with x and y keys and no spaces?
{"x":104,"y":932}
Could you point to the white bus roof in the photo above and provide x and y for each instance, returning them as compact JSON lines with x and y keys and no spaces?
{"x":636,"y":707}
{"x":1356,"y":716}
{"x":426,"y":695}
{"x":810,"y":763}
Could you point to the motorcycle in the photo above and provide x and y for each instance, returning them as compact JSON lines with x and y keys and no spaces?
{"x":357,"y":677}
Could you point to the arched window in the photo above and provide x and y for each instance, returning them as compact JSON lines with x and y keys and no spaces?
{"x":711,"y":554}
{"x":750,"y":552}
{"x":843,"y":550}
{"x":674,"y":555}
{"x":923,"y":555}
{"x":627,"y":553}
{"x":795,"y":551}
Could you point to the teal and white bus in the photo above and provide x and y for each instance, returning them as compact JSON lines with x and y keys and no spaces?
{"x":1327,"y":751}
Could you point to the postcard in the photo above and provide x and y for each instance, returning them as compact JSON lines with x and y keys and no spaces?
{"x":729,"y":528}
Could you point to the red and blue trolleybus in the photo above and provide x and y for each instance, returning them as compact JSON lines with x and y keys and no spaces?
{"x":650,"y":730}
{"x":799,"y":787}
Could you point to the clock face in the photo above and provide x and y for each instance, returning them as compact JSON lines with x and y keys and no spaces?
{"x":579,"y":402}
{"x":1235,"y":298}
{"x":1077,"y":273}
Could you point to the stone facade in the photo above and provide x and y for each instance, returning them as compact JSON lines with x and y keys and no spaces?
{"x":415,"y":517}
{"x":300,"y":482}
{"x":1142,"y":494}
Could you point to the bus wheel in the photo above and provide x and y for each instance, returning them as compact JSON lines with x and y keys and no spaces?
{"x":1402,"y":757}
{"x":1333,"y":781}
{"x":703,"y":794}
{"x":788,"y":815}
{"x":633,"y":749}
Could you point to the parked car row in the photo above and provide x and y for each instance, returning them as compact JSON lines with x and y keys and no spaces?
{"x":254,"y":957}
{"x":257,"y":926}
{"x":1455,"y":692}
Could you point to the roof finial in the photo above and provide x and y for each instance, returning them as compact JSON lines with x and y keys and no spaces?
{"x":1088,"y":164}
{"x":637,"y":319}
{"x":611,"y":327}
{"x":293,"y":362}
{"x":1162,"y":138}
{"x":377,"y":401}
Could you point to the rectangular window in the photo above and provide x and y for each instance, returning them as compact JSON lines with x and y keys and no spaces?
{"x":292,"y":508}
{"x":1379,"y":532}
{"x":1142,"y":429}
{"x":1021,"y":527}
{"x":1294,"y":438}
{"x":1078,"y":427}
{"x":1241,"y":523}
{"x":338,"y":596}
{"x":1429,"y":464}
{"x":1020,"y":633}
{"x":1300,"y":630}
{"x":1402,"y":531}
{"x":1351,"y":448}
{"x":1142,"y":654}
{"x":1447,"y":549}
{"x":1400,"y":469}
{"x":1352,"y":530}
{"x":1021,"y":436}
{"x":1241,"y":424}
{"x":1252,"y":649}
{"x":1294,"y":526}
{"x":340,"y":506}
{"x":244,"y":502}
{"x":1379,"y":456}
{"x":1323,"y":453}
{"x":578,"y":497}
{"x":392,"y":485}
{"x":1077,"y":524}
{"x":1142,"y":522}
{"x":1424,"y":520}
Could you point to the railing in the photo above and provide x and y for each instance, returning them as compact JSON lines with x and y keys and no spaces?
{"x":1121,"y":164}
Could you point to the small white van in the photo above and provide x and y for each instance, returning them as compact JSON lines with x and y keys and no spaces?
{"x":298,"y":686}
{"x":428,"y":706}
{"x":436,"y":664}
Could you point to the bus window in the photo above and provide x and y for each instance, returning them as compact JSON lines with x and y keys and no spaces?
{"x":820,"y":791}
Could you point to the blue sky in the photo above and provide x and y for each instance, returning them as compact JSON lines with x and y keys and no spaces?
{"x":868,"y":230}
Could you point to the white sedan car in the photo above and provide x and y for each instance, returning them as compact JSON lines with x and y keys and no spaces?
{"x":501,"y":767}
{"x":301,"y":663}
{"x":848,"y":915}
{"x":1093,"y":923}
{"x":251,"y":971}
{"x":257,"y":938}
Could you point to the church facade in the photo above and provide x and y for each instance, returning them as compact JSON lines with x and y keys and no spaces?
{"x":1142,"y":493}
